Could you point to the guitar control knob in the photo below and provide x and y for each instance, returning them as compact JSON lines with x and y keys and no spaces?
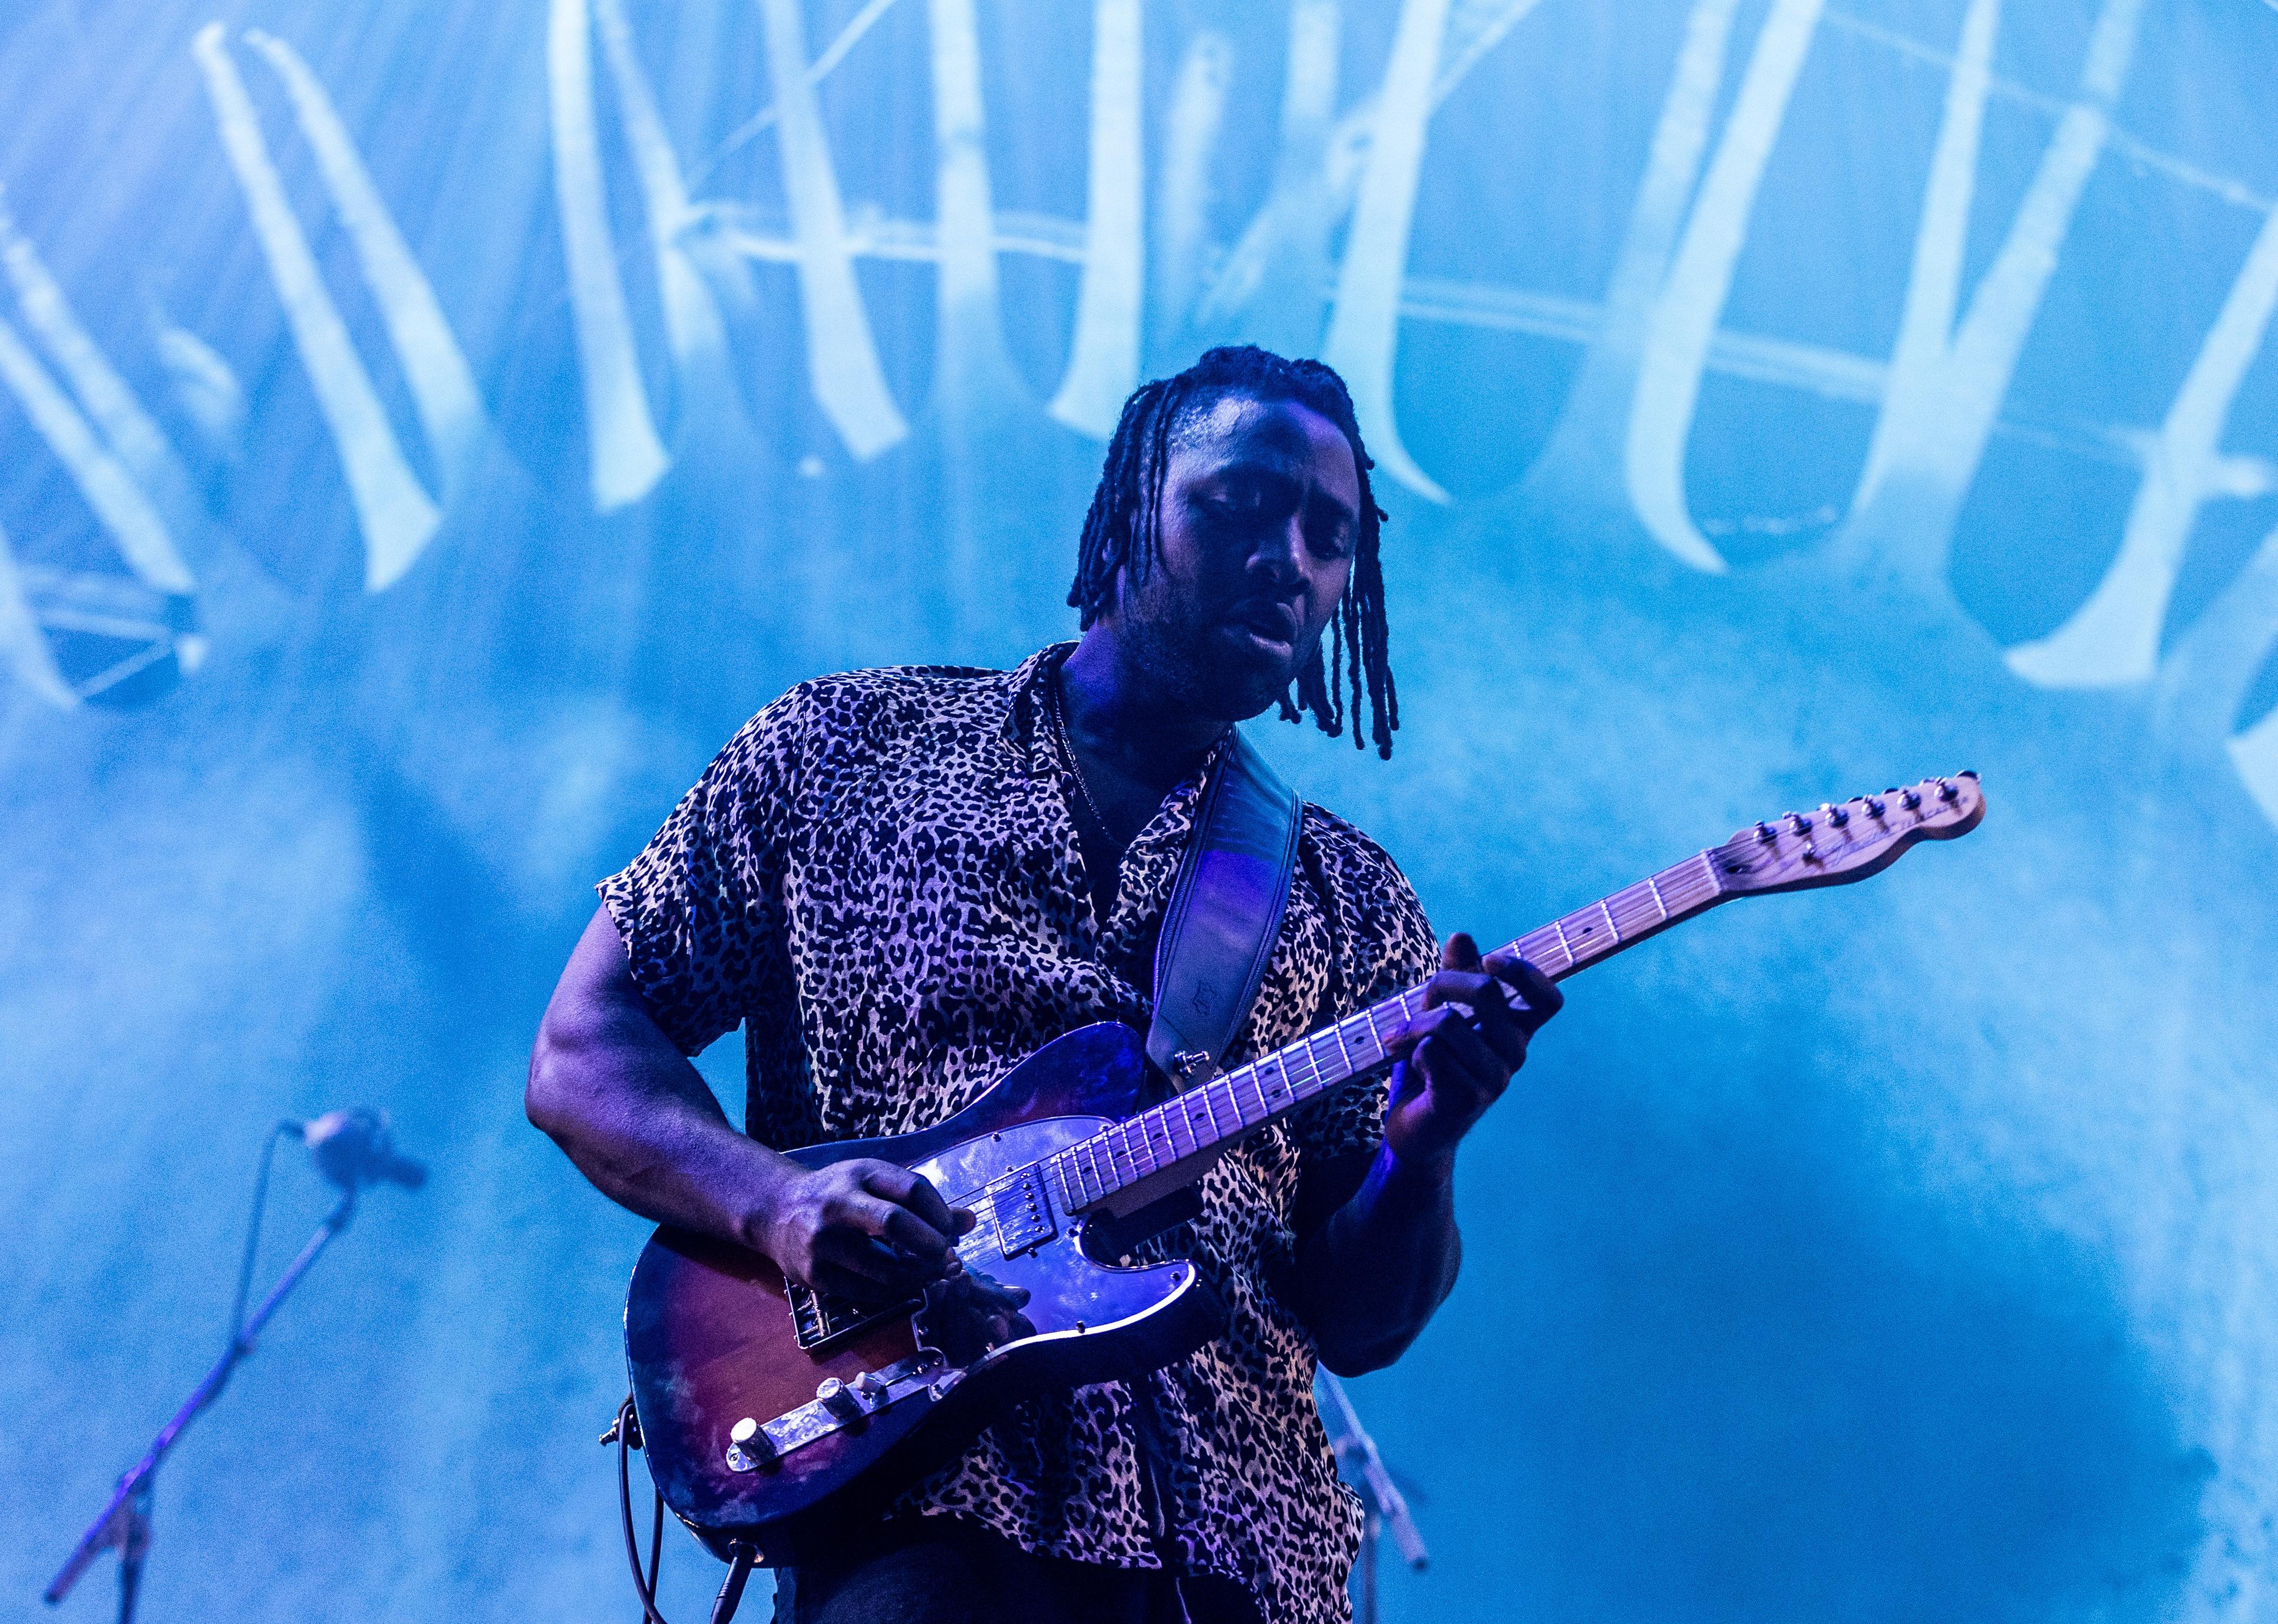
{"x":840,"y":1399}
{"x":871,"y":1385}
{"x":749,"y":1447}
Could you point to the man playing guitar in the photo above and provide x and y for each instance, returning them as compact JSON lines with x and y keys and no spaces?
{"x":900,"y":882}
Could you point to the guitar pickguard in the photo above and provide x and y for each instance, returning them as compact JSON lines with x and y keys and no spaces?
{"x":764,"y":1405}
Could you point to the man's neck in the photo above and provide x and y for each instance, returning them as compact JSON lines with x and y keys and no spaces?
{"x":1135,"y":742}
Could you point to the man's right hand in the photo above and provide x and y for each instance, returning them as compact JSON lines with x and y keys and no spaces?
{"x":615,"y":1093}
{"x":864,"y":1229}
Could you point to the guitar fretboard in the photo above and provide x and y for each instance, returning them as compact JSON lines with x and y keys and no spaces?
{"x":1177,"y":1139}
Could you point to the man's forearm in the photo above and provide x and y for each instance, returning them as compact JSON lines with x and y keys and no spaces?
{"x":609,"y":1088}
{"x":1371,"y":1275}
{"x":640,"y":1123}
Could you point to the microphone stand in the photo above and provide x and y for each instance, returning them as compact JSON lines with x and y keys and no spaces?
{"x":1382,"y":1505}
{"x":125,"y":1522}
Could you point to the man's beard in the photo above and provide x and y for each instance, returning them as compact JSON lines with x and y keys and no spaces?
{"x":1192,"y":664}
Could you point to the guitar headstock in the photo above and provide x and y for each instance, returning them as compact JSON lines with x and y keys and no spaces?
{"x":1842,"y":841}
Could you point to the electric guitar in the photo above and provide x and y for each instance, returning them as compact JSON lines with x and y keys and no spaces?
{"x":768,"y":1411}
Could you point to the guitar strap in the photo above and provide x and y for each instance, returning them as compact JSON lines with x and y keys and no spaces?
{"x":1225,"y":914}
{"x":1219,"y":931}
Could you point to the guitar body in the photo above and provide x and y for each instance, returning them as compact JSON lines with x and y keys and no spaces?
{"x":712,"y":1340}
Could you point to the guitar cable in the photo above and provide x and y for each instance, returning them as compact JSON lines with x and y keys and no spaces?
{"x":626,"y":1434}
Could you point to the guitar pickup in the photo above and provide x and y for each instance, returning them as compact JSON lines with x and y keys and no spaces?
{"x":817,"y":1319}
{"x":1024,"y":1212}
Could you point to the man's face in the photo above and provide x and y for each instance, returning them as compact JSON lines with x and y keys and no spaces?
{"x":1259,"y":519}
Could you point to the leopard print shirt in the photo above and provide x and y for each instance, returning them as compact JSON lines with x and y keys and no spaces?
{"x":880,"y":879}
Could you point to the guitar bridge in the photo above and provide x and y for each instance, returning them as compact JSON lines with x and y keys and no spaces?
{"x":818,"y":1320}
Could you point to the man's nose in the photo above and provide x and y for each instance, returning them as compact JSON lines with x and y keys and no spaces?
{"x":1280,"y":550}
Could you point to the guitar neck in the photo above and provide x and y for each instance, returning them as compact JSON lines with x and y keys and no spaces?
{"x":1172,"y":1143}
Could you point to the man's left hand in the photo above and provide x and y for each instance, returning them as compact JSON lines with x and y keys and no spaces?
{"x":1456,"y":1057}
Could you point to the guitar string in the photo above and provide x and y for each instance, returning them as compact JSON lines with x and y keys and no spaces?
{"x":1625,"y":921}
{"x":1533,"y":946}
{"x":1692,"y":891}
{"x":1692,"y":885}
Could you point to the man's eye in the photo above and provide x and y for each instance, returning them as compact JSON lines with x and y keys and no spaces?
{"x":1330,"y":541}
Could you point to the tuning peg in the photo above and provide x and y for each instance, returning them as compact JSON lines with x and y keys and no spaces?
{"x":1874,"y":806}
{"x":1798,"y":822}
{"x":1766,"y":832}
{"x":1911,"y":798}
{"x":1946,"y":790}
{"x":1836,"y":815}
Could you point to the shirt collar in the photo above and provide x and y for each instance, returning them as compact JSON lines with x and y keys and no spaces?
{"x":1028,"y":719}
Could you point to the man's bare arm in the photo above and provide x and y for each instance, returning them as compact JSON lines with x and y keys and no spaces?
{"x":1371,"y":1274}
{"x":609,"y":1088}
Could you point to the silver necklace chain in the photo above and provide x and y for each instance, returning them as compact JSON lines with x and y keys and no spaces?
{"x":1067,"y":751}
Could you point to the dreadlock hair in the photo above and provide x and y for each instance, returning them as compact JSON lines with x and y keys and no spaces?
{"x":1127,"y":504}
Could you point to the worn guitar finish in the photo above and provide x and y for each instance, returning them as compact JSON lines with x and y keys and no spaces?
{"x":768,"y":1413}
{"x":711,"y":1339}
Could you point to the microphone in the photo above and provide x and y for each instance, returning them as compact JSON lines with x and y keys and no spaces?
{"x":355,"y":1147}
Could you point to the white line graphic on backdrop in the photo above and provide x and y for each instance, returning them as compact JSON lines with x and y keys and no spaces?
{"x":972,"y":368}
{"x":1685,"y":314}
{"x":1658,"y":330}
{"x":1103,"y":365}
{"x":694,"y":332}
{"x":1364,"y":325}
{"x":1948,"y":378}
{"x":435,"y":372}
{"x":842,"y":355}
{"x":2114,"y":636}
{"x":395,"y":515}
{"x":1198,"y":108}
{"x":625,"y":455}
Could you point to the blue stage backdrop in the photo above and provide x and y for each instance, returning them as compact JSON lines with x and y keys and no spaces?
{"x":430,"y":428}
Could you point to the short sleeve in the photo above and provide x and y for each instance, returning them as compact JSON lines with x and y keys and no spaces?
{"x":1384,"y":946}
{"x":700,"y":911}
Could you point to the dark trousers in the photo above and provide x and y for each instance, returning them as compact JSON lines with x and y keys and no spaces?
{"x":936,"y":1570}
